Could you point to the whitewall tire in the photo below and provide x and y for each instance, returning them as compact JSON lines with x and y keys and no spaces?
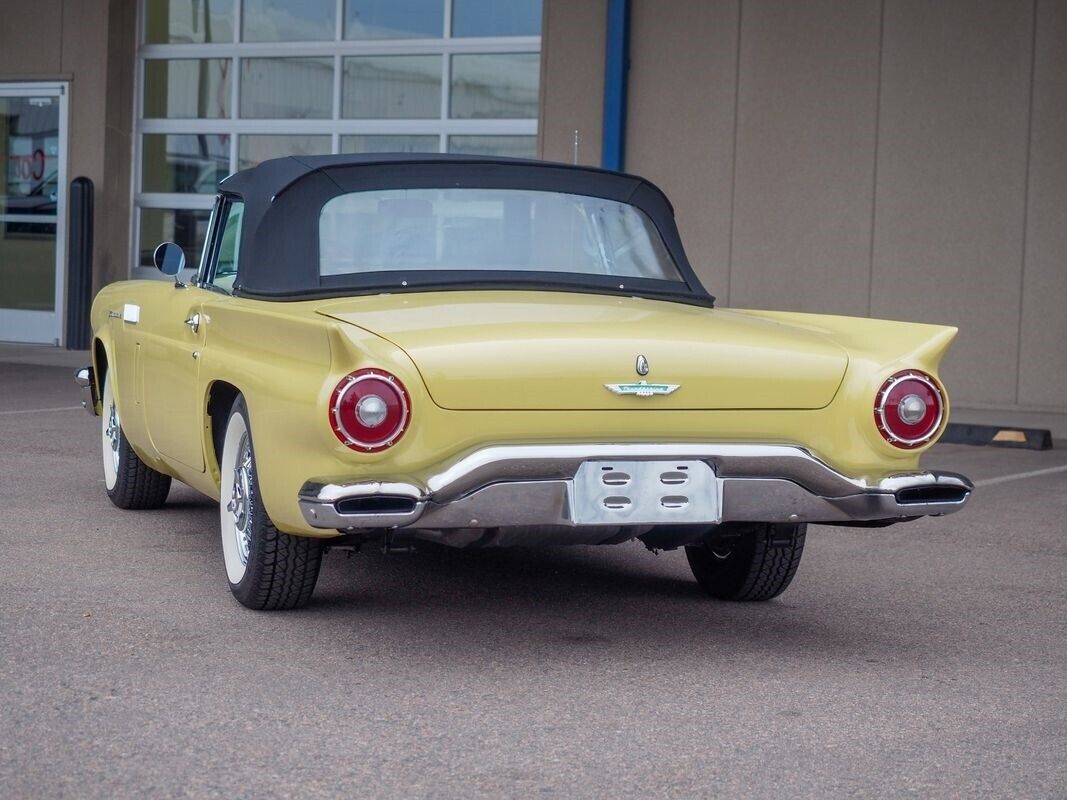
{"x":265,"y":568}
{"x":130,"y":483}
{"x":110,"y":435}
{"x":235,"y":492}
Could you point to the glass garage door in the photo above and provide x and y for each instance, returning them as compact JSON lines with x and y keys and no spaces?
{"x":225,"y":84}
{"x":33,"y":148}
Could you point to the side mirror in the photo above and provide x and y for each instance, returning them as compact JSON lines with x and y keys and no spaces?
{"x":170,"y":260}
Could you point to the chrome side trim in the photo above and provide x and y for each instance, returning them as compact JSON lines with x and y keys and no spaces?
{"x":512,"y":486}
{"x":85,"y":378}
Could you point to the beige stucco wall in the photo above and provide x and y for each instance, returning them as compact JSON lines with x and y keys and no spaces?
{"x":895,"y":158}
{"x":89,"y":43}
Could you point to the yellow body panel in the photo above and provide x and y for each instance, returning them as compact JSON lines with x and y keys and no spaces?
{"x":509,"y":358}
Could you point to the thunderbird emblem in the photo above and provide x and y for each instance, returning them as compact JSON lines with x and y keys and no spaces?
{"x":641,"y":388}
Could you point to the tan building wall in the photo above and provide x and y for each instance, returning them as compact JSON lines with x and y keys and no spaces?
{"x":890,"y":158}
{"x":90,"y":44}
{"x":572,"y":79}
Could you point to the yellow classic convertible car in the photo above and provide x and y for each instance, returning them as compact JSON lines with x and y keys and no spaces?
{"x":489,"y":352}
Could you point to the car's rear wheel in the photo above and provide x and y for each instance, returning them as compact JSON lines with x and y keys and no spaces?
{"x":266,"y":569}
{"x":130,"y":483}
{"x":748,"y":561}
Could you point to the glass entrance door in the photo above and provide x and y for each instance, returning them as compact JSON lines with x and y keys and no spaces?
{"x":33,"y":160}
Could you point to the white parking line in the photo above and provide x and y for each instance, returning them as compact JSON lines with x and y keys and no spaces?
{"x":1018,"y":476}
{"x":40,"y":410}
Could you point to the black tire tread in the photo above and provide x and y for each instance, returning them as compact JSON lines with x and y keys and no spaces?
{"x":773,"y":567}
{"x":761,"y":566}
{"x":138,"y":487}
{"x":282,"y":569}
{"x":285,"y":570}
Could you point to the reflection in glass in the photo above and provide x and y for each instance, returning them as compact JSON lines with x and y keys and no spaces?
{"x":394,"y":19}
{"x":184,"y":162}
{"x":496,"y":86}
{"x":188,"y":21}
{"x":288,"y":20}
{"x":187,"y":88}
{"x":259,"y":147}
{"x":390,"y":144}
{"x":287,"y":88}
{"x":494,"y":18}
{"x":29,"y":155}
{"x":508,"y":146}
{"x":392,"y":87}
{"x":184,"y":226}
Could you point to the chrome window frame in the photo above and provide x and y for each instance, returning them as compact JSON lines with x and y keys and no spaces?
{"x":220,"y":214}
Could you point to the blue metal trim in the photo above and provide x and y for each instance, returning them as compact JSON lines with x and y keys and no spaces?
{"x":616,"y":64}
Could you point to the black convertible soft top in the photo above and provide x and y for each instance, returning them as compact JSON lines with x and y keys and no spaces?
{"x":283,"y":198}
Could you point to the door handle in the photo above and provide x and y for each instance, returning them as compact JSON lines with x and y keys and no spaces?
{"x":194,"y":323}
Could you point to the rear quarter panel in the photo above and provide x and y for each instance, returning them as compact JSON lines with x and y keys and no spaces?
{"x":284,"y":359}
{"x":877,"y":349}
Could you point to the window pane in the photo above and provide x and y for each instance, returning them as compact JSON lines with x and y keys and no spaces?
{"x":184,"y":162}
{"x":288,"y":20}
{"x":489,"y":229}
{"x":495,"y":86}
{"x":510,"y":146}
{"x":28,"y":265}
{"x":287,"y":88}
{"x":394,"y":19}
{"x":389,"y":144}
{"x":494,"y":18}
{"x":188,"y":21}
{"x":256,"y":148}
{"x":187,"y":88}
{"x":229,"y":248}
{"x":392,"y":87}
{"x":184,"y":226}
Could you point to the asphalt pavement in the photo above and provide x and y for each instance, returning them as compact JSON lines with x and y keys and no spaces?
{"x":920,"y":660}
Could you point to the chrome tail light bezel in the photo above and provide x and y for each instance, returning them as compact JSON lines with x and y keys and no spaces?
{"x":882,"y":421}
{"x":359,"y":440}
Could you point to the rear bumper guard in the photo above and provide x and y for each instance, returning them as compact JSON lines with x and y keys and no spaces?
{"x":85,"y":378}
{"x":516,"y":486}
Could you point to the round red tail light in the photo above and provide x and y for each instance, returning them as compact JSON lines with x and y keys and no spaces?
{"x":908,"y":409}
{"x":369,"y":410}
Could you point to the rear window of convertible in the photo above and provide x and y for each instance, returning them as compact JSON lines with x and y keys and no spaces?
{"x":489,"y":230}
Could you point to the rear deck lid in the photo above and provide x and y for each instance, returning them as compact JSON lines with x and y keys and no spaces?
{"x":515,"y":350}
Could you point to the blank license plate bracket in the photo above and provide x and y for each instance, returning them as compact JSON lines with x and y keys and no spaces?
{"x":645,"y":493}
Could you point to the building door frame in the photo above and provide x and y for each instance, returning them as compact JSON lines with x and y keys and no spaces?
{"x":43,"y":327}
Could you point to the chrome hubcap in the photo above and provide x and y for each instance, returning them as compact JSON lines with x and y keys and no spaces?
{"x":111,"y":431}
{"x":240,"y":505}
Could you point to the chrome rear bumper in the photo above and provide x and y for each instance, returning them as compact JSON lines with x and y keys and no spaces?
{"x":533,"y":485}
